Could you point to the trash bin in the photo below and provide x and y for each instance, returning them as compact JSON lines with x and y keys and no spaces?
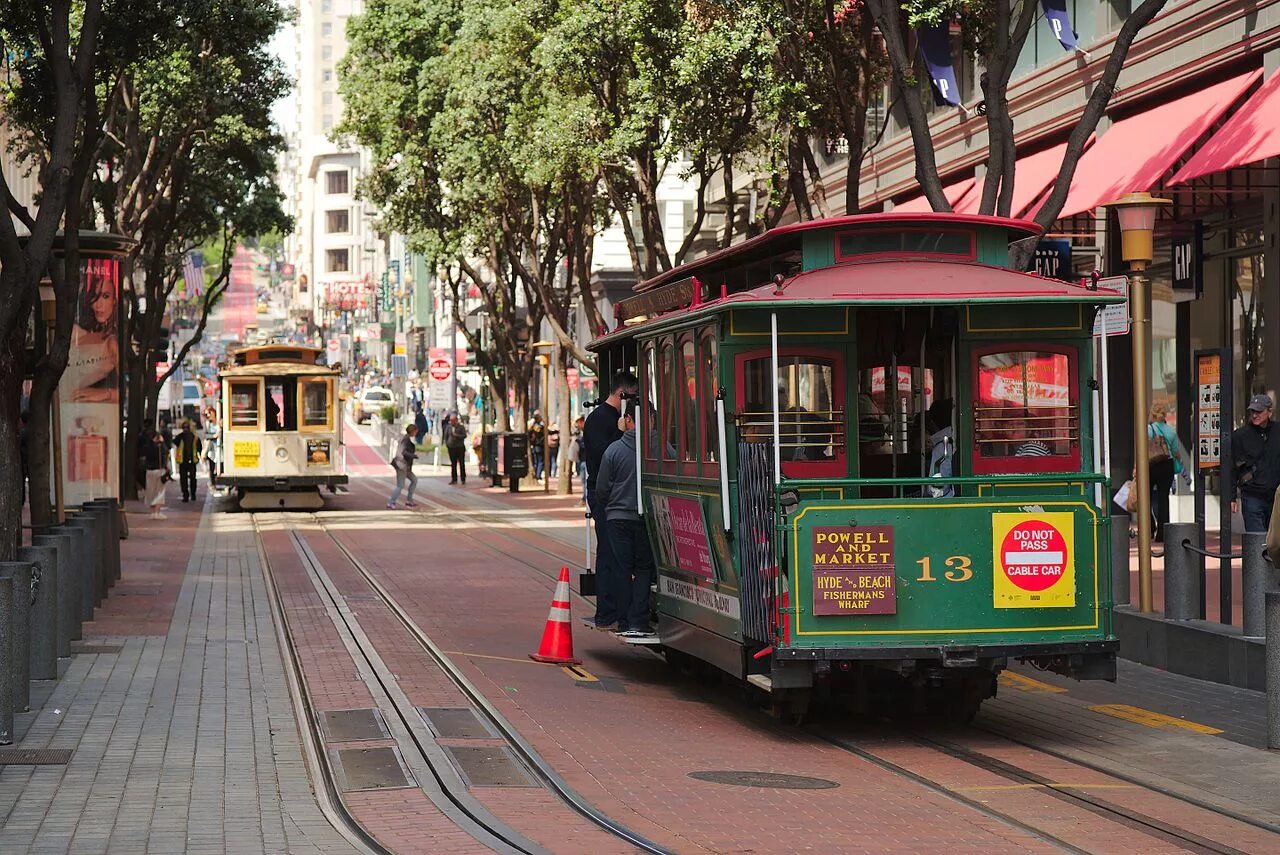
{"x":515,"y":458}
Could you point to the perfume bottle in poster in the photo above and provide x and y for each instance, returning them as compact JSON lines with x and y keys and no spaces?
{"x":87,"y":451}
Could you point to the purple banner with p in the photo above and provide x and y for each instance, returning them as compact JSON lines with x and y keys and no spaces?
{"x":1055,"y":12}
{"x":935,"y":48}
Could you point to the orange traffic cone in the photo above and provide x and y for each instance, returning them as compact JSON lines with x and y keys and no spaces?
{"x":557,"y":638}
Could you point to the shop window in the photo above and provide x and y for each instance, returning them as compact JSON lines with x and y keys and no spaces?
{"x":689,"y":395}
{"x":707,"y":387}
{"x":244,"y":405}
{"x":810,"y":401}
{"x":315,"y":404}
{"x":1026,"y":416}
{"x":649,"y":417}
{"x":280,"y":404}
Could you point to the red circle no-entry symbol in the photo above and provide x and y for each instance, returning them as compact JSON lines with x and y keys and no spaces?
{"x":1034,"y":555}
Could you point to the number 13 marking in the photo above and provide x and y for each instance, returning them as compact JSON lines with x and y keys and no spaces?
{"x":962,"y":569}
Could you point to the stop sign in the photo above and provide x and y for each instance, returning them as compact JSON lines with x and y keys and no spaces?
{"x":1034,"y":555}
{"x":440,"y":369}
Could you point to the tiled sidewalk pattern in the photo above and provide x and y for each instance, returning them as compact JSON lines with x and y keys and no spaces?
{"x":183,"y":744}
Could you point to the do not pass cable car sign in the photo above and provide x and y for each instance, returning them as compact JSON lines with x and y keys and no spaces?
{"x":1034,"y":560}
{"x":440,"y":369}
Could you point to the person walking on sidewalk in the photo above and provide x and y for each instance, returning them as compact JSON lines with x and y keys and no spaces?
{"x":1164,"y":463}
{"x":1255,"y":458}
{"x":406,"y":453}
{"x":537,"y":435}
{"x":455,"y":440}
{"x":155,"y":459}
{"x":632,"y":553}
{"x":187,"y":448}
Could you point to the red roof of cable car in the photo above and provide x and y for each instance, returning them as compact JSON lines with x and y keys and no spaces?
{"x":908,"y":281}
{"x":772,"y":242}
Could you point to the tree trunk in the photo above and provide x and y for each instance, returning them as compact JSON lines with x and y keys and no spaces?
{"x":564,"y":421}
{"x":730,"y":203}
{"x":11,"y":370}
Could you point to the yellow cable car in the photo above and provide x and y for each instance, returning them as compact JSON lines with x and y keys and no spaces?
{"x":282,"y":432}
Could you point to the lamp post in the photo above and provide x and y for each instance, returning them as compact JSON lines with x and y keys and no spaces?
{"x":1137,"y":213}
{"x":545,"y":361}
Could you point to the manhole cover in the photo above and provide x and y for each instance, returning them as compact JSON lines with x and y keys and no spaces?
{"x":457,"y":723}
{"x":352,"y":725}
{"x":765,"y":780}
{"x":489,"y":766}
{"x":371,"y":769}
{"x":35,"y":756}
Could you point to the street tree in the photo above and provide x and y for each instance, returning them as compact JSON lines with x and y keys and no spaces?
{"x":995,"y":33}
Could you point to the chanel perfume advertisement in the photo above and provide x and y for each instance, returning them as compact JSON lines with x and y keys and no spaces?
{"x":89,"y":394}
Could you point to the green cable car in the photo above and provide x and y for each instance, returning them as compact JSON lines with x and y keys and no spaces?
{"x":868,"y":460}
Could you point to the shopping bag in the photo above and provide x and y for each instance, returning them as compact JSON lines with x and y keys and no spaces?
{"x":1126,"y":497}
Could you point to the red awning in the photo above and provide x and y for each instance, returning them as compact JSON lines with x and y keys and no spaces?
{"x":1136,"y":152}
{"x":1032,"y":174}
{"x":955,"y":193}
{"x":1252,"y":134}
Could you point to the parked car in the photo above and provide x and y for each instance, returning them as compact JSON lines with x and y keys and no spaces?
{"x":370,"y":400}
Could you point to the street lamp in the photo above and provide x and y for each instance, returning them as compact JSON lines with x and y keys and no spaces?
{"x":545,"y":362}
{"x":1137,"y":214}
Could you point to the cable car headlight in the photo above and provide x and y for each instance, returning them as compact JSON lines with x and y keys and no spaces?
{"x":282,"y":453}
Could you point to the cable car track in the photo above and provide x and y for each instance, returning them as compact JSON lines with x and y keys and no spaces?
{"x":1109,"y":810}
{"x":459,"y":805}
{"x":1128,"y":817}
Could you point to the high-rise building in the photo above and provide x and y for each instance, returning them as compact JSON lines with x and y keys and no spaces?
{"x":338,"y":256}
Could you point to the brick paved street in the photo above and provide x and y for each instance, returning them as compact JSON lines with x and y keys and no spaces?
{"x":184,"y":741}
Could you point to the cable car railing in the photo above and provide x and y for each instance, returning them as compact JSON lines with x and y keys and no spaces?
{"x":802,"y":434}
{"x":1006,"y":426}
{"x":900,"y":485}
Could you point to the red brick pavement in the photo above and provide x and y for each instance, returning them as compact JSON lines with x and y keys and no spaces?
{"x":628,"y":743}
{"x":153,"y":563}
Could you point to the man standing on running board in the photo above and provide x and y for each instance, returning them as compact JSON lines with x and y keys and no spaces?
{"x":632,"y":554}
{"x":598,"y":433}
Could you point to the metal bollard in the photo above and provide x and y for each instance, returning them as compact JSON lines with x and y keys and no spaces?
{"x":20,"y":630}
{"x":1120,"y":559}
{"x":70,"y":600}
{"x":43,"y":624}
{"x":1182,"y":573}
{"x":1255,"y":579}
{"x":110,"y":509}
{"x":1272,"y":610}
{"x":6,"y":660}
{"x":91,"y":563}
{"x":100,"y":534}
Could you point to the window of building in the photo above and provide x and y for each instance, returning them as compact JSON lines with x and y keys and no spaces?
{"x":326,"y":29}
{"x":326,"y":97}
{"x":327,"y":75}
{"x":337,"y":260}
{"x":337,"y":181}
{"x":326,"y":53}
{"x":1026,"y":417}
{"x":337,"y":222}
{"x":327,"y":124}
{"x":326,"y":5}
{"x":244,"y":404}
{"x":1042,"y":46}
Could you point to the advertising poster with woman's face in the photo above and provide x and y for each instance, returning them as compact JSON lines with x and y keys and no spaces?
{"x":89,"y":394}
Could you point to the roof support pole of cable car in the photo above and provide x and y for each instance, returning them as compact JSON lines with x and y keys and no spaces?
{"x":635,"y":404}
{"x":724,"y":466}
{"x":1106,"y":416}
{"x":1099,"y":489}
{"x":777,"y":413}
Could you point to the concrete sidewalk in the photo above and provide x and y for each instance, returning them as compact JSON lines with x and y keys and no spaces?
{"x":183,"y":740}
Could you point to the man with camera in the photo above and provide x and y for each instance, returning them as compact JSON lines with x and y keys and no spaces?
{"x":1255,"y":457}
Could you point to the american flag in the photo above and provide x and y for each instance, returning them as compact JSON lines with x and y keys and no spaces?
{"x":193,"y":273}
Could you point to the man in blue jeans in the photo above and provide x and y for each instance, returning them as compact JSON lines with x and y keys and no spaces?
{"x":632,"y":554}
{"x":599,"y":431}
{"x":1255,"y":457}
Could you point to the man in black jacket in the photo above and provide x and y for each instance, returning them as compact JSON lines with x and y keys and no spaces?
{"x":1255,"y":457}
{"x":598,"y":433}
{"x":187,"y":447}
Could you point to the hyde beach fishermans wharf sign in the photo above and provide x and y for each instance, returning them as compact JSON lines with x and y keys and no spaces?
{"x":853,"y":570}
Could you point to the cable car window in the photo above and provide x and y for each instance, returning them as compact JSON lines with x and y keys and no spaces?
{"x":650,"y":414}
{"x":1025,"y":410}
{"x":281,"y":404}
{"x":906,"y":242}
{"x":810,"y":426}
{"x":315,"y":403}
{"x":707,"y":383}
{"x":244,"y":405}
{"x":668,"y":413}
{"x":888,"y":420}
{"x":689,"y":392}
